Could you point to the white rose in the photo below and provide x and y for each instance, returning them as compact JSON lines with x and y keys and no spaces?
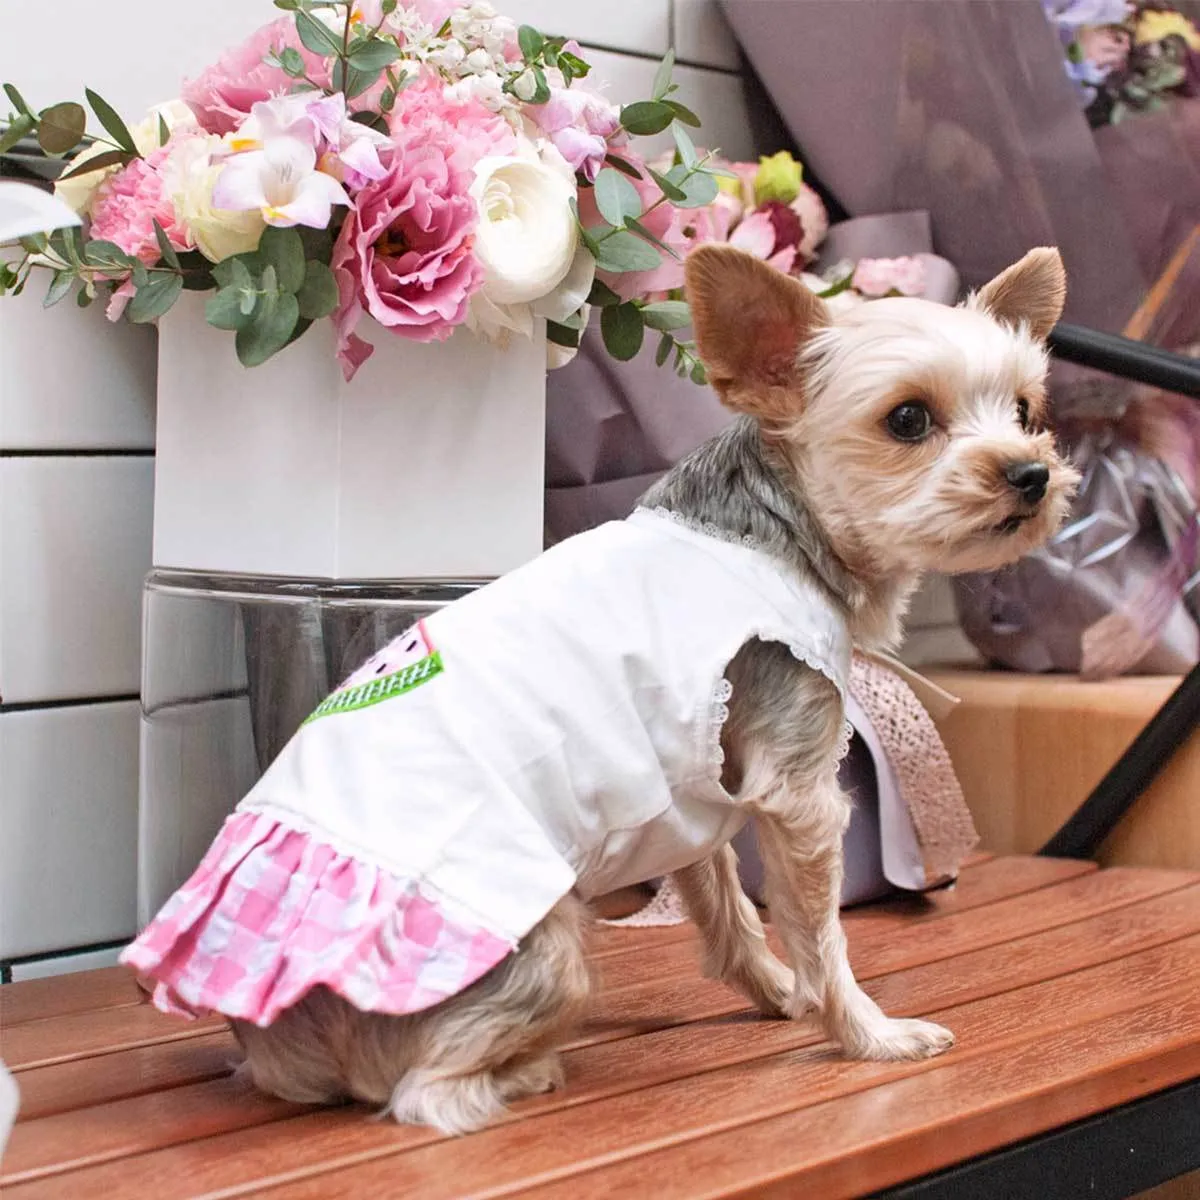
{"x":189,"y":174}
{"x":80,"y":190}
{"x":527,"y":237}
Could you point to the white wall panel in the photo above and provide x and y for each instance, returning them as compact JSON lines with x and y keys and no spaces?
{"x":74,"y":550}
{"x":71,"y":379}
{"x":68,"y":827}
{"x":703,"y":36}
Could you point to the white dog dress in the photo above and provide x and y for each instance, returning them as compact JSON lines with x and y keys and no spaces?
{"x":559,"y":729}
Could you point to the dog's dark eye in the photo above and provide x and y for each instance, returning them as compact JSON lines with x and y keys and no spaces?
{"x":1023,"y":413}
{"x":910,"y":422}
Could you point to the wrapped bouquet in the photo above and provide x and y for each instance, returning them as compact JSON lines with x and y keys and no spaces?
{"x":425,"y":164}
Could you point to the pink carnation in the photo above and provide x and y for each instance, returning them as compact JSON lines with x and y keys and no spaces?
{"x":128,"y":203}
{"x":404,"y":252}
{"x":465,"y":129}
{"x":222,"y":95}
{"x":881,"y":276}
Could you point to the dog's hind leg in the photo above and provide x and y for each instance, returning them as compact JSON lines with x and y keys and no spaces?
{"x":735,"y":945}
{"x":497,"y":1041}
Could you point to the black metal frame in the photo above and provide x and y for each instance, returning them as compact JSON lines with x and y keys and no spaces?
{"x":1179,"y":717}
{"x":1110,"y":1156}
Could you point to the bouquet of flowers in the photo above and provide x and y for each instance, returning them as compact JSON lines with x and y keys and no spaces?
{"x":767,"y":210}
{"x":1126,"y":57}
{"x":424,"y":163}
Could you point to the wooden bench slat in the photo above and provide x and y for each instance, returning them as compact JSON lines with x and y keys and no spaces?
{"x":983,"y":881}
{"x":740,"y":1100}
{"x":901,"y":1130}
{"x":41,"y":999}
{"x":325,"y":1140}
{"x":78,"y":1035}
{"x":79,"y":1083}
{"x":82,"y":1082}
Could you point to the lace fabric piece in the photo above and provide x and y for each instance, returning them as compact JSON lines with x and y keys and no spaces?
{"x":928,"y":785}
{"x":931,"y":791}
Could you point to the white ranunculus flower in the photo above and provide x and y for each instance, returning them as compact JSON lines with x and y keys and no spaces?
{"x":80,"y":190}
{"x":527,"y":237}
{"x":190,"y":173}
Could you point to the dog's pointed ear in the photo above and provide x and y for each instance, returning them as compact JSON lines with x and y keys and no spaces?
{"x":1032,"y":291}
{"x":751,"y":321}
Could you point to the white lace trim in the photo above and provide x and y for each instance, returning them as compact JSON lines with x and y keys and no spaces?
{"x":707,"y":528}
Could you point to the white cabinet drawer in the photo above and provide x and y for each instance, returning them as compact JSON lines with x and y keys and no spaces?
{"x":64,"y":964}
{"x":74,"y":551}
{"x":72,"y":380}
{"x":68,"y":851}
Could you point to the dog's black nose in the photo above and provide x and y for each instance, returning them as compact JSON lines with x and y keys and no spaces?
{"x":1029,"y":478}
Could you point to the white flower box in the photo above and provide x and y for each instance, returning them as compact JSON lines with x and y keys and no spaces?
{"x":430,"y":464}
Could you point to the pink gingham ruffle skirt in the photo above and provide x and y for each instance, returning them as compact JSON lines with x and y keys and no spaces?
{"x":271,"y":913}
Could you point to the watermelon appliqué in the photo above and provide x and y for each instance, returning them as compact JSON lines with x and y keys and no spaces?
{"x":402,"y":665}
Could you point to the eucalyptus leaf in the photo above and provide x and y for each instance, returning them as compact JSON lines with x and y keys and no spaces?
{"x":530,"y":41}
{"x":269,"y":329}
{"x":60,"y":285}
{"x":646,"y":117}
{"x":108,"y":256}
{"x":318,"y":296}
{"x":224,"y":310}
{"x":283,"y":250}
{"x":664,"y":350}
{"x":317,"y":37}
{"x":562,"y":335}
{"x":662,"y":77}
{"x":269,"y":280}
{"x":699,"y":188}
{"x":672,"y":191}
{"x":626,"y":168}
{"x":155,"y":298}
{"x":698,"y":374}
{"x":601,"y":295}
{"x":84,"y":298}
{"x":111,"y":120}
{"x":685,"y":146}
{"x":644,"y":233}
{"x":33,"y":243}
{"x":61,"y":127}
{"x":110,"y":158}
{"x":665,"y":315}
{"x":616,"y":198}
{"x":624,"y":251}
{"x":623,"y":331}
{"x":292,"y":62}
{"x":164,"y":245}
{"x":18,"y":101}
{"x":164,"y":130}
{"x":682,"y":113}
{"x":17,"y":129}
{"x":375,"y":55}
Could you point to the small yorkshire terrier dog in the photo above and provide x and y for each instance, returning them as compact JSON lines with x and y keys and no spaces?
{"x":395,"y":914}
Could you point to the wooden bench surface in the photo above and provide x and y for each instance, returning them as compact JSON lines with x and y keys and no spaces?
{"x":1071,"y":991}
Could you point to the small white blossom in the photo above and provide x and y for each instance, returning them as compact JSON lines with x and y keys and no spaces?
{"x":479,"y":61}
{"x":525,"y":85}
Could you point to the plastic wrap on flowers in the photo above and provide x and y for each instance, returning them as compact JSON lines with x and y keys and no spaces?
{"x":1115,"y":591}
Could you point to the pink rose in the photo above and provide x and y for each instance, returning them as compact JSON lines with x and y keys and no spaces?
{"x":128,"y":203}
{"x":772,"y":233}
{"x":222,"y":95}
{"x":404,"y":252}
{"x":579,"y":123}
{"x":879,"y":276}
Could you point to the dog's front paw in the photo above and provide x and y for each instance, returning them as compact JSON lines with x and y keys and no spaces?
{"x":893,"y":1040}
